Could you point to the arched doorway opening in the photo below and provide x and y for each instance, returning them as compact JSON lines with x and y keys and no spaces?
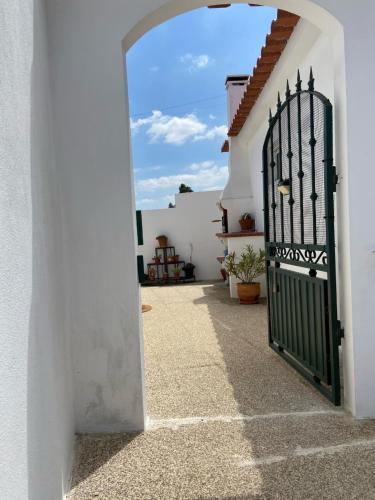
{"x":315,"y":15}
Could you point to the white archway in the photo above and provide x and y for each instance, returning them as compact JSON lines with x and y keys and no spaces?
{"x":327,"y":23}
{"x":92,"y":121}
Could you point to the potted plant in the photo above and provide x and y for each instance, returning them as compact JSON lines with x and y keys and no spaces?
{"x":247,"y":268}
{"x":162,"y":240}
{"x":189,"y":267}
{"x":156,"y":259}
{"x":246,"y":222}
{"x":189,"y":270}
{"x":177,"y":272}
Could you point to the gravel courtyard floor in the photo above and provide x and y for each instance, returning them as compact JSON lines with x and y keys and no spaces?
{"x":227,"y":418}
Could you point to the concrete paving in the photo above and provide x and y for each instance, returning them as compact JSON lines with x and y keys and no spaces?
{"x":227,"y":417}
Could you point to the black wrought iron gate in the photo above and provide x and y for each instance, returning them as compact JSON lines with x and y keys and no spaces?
{"x":299,"y":185}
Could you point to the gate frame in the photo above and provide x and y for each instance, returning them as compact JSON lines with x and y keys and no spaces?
{"x":335,"y":332}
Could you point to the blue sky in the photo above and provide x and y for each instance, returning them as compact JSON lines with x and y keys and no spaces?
{"x":176,"y":75}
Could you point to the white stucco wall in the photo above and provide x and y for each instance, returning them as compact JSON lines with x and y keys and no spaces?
{"x":189,"y":222}
{"x":93,"y":160}
{"x":36,"y":398}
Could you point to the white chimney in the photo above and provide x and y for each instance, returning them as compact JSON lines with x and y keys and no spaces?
{"x":235,"y":85}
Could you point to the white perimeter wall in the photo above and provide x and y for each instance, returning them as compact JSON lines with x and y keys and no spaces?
{"x":36,"y":400}
{"x":189,"y":222}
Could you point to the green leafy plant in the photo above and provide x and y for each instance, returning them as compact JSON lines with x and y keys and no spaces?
{"x":177,"y":270}
{"x":249,"y":266}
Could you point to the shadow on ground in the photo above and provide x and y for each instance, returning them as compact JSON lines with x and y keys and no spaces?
{"x":207,"y":361}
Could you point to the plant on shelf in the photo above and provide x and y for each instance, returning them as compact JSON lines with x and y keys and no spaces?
{"x":176,"y":272}
{"x":246,"y":222}
{"x":156,"y":259}
{"x":162,"y":240}
{"x":246,"y":269}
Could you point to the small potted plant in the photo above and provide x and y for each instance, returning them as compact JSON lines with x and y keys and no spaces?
{"x":162,"y":240}
{"x":247,"y":268}
{"x":176,"y":272}
{"x":165,"y":276}
{"x":189,"y":270}
{"x":156,"y":259}
{"x":189,"y":267}
{"x":246,"y":222}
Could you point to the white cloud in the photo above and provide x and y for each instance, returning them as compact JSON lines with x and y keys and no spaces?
{"x":212,"y":133}
{"x":211,"y":117}
{"x":154,"y":69}
{"x":196,"y":62}
{"x":203,"y":165}
{"x":152,"y":201}
{"x":206,"y":176}
{"x":176,"y":129}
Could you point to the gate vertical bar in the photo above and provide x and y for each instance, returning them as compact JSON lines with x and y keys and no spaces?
{"x":267,"y":222}
{"x":312,"y":148}
{"x":330,"y":184}
{"x":281,"y":167}
{"x":290,"y":156}
{"x":300,"y":162}
{"x":272,"y":165}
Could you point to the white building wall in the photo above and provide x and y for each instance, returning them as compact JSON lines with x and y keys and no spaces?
{"x":93,"y":155}
{"x":36,"y":398}
{"x":189,"y":223}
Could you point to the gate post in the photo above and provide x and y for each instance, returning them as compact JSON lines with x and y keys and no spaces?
{"x":354,"y":109}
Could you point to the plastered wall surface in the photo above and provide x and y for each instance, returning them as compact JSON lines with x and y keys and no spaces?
{"x":189,"y":223}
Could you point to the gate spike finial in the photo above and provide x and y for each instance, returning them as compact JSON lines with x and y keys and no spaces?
{"x":299,"y":82}
{"x":311,"y":79}
{"x":278,"y":101}
{"x":287,"y":93}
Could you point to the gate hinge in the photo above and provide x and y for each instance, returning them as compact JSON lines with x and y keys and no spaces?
{"x":340,"y":331}
{"x":335,"y":178}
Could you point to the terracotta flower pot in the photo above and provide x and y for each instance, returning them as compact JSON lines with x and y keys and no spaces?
{"x":163,"y":241}
{"x":157,"y":260}
{"x":246,"y":224}
{"x":248,"y":293}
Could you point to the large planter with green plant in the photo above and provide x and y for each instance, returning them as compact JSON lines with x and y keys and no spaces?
{"x":249,"y":266}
